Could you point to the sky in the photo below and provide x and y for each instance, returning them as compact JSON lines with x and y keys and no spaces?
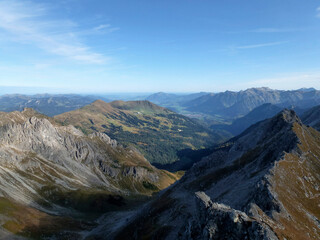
{"x":101,"y":46}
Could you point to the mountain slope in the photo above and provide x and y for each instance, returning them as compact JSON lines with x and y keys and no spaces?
{"x":235,"y":104}
{"x":45,"y":103}
{"x":157,"y":132}
{"x":258,"y":114}
{"x":263,"y":184}
{"x":46,"y":169}
{"x":312,"y":117}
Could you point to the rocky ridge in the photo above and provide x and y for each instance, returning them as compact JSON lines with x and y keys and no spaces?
{"x":263,"y":184}
{"x":41,"y":160}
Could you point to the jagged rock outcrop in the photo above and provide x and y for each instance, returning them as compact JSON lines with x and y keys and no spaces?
{"x":105,"y":138}
{"x":41,"y":161}
{"x":218,"y":221}
{"x":263,"y":184}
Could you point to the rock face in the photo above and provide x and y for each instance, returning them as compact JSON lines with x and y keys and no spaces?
{"x":219,"y":221}
{"x":263,"y":184}
{"x":41,"y":161}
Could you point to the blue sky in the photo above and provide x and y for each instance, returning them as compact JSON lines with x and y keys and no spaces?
{"x":168,"y":45}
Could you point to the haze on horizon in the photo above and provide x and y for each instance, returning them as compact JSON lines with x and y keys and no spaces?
{"x":170,"y":46}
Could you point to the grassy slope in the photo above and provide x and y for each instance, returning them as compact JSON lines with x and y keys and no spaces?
{"x":296,"y":181}
{"x":157,"y":132}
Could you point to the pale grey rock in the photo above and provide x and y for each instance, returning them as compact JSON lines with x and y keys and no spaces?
{"x":36,"y":152}
{"x":105,"y":138}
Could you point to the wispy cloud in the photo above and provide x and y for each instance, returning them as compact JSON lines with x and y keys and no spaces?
{"x":274,"y":30}
{"x":318,"y":12}
{"x":106,"y":28}
{"x":261,"y":45}
{"x":27,"y":23}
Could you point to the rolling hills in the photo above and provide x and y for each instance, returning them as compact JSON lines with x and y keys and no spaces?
{"x":156,"y":131}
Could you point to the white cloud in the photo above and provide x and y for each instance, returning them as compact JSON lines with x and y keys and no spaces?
{"x":260,"y":45}
{"x":27,"y":23}
{"x":318,"y":12}
{"x":102,"y":26}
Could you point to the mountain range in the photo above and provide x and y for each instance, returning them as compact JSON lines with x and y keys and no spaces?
{"x":236,"y":104}
{"x":47,"y":104}
{"x":227,"y":106}
{"x":221,"y":107}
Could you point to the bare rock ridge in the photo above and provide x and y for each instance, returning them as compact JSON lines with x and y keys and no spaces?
{"x":223,"y":222}
{"x":39,"y":159}
{"x":105,"y":138}
{"x":263,"y":184}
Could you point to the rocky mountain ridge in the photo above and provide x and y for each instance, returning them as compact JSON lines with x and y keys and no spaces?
{"x":40,"y":157}
{"x":263,"y":184}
